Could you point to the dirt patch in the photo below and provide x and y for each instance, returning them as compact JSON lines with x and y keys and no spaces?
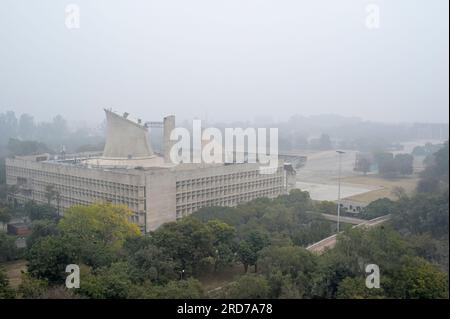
{"x":14,"y":271}
{"x":386,"y":186}
{"x":213,"y":281}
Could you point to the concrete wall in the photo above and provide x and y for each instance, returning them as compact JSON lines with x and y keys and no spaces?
{"x":160,"y":199}
{"x":125,"y":138}
{"x":77,"y":185}
{"x":224,"y":185}
{"x":169,"y":126}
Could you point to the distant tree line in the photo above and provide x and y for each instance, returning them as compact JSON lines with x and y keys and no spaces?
{"x":388,"y":164}
{"x":53,"y":134}
{"x":435,"y":177}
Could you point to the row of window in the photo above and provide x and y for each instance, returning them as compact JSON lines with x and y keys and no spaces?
{"x":84,"y":192}
{"x":73,"y":181}
{"x":212,"y":181}
{"x":222,"y":191}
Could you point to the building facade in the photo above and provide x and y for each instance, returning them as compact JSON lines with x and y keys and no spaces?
{"x":154,"y":189}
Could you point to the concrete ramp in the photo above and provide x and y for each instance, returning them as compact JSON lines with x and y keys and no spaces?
{"x":329,"y":242}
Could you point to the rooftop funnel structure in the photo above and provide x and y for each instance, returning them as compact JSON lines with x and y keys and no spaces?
{"x":125,"y":138}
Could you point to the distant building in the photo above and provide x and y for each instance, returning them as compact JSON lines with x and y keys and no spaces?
{"x":352,"y":206}
{"x":18,"y":229}
{"x":128,"y":172}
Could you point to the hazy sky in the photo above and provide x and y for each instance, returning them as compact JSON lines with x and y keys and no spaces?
{"x":226,"y":59}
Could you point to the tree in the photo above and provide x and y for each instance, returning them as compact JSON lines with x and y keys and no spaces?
{"x":355,"y":288}
{"x":325,"y":207}
{"x":418,"y":279}
{"x":290,"y":260}
{"x":426,"y":149}
{"x":48,"y":258}
{"x":152,"y":264}
{"x":12,"y":190}
{"x":356,"y":248}
{"x":257,"y":241}
{"x":187,"y":241}
{"x":313,"y":229}
{"x":5,"y":215}
{"x":50,"y":193}
{"x":289,"y":265}
{"x":322,"y":143}
{"x":223,"y":242}
{"x":435,"y":177}
{"x":379,"y":207}
{"x":387,"y":166}
{"x":246,"y":254}
{"x":428,"y":185}
{"x":423,"y":213}
{"x":26,"y":126}
{"x":8,"y":249}
{"x":250,"y":286}
{"x":249,"y":247}
{"x":42,"y":228}
{"x":105,"y":224}
{"x":433,"y":250}
{"x":300,"y":200}
{"x":362,"y":165}
{"x":404,"y":163}
{"x":40,"y":212}
{"x":399,"y":192}
{"x":2,"y":178}
{"x":284,"y":286}
{"x":17,"y":147}
{"x":98,"y":232}
{"x":112,"y":282}
{"x":8,"y":126}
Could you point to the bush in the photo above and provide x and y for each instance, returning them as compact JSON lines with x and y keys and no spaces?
{"x":250,"y":287}
{"x":8,"y":249}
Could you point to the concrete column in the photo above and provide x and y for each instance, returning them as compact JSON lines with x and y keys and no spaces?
{"x":169,"y":126}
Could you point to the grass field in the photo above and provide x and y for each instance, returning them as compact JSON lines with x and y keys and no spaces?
{"x":387,"y":185}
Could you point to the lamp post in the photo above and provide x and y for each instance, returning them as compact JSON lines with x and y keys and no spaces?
{"x":339,"y":190}
{"x":181,"y":274}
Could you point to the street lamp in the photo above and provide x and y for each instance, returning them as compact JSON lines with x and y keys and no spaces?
{"x":181,"y":274}
{"x":339,"y":190}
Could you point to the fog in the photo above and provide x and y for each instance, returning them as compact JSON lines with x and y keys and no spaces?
{"x":226,"y":60}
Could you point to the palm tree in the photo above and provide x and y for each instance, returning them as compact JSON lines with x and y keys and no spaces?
{"x":50,"y":193}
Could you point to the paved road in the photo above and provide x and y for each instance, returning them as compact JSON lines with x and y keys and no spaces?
{"x":330,"y":242}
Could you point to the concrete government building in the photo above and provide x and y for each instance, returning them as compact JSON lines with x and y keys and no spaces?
{"x":129,"y":172}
